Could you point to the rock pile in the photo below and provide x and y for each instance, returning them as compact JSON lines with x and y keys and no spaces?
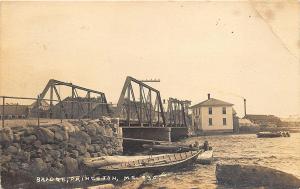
{"x":254,"y":176}
{"x":56,"y":150}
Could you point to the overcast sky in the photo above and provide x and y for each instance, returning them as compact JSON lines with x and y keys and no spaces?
{"x":229,"y":49}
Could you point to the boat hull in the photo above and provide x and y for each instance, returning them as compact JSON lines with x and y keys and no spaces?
{"x":272,"y":134}
{"x":135,"y":171}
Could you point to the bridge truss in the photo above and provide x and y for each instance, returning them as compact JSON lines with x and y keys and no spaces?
{"x":74,"y":103}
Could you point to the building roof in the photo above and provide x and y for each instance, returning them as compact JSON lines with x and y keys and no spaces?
{"x":212,"y":102}
{"x":14,"y":109}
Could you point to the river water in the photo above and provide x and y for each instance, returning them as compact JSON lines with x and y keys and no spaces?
{"x":279,"y":153}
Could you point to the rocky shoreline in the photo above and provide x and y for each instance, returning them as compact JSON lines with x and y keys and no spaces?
{"x":55,"y":150}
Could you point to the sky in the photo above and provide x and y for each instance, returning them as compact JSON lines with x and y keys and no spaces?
{"x":230,"y":49}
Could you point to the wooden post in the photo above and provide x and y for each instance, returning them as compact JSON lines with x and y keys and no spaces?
{"x":174,"y":113}
{"x":89,"y":104}
{"x":3,"y":113}
{"x":51,"y":102}
{"x":38,"y":109}
{"x":61,"y":112}
{"x":128,"y":105}
{"x":72,"y":103}
{"x":150,"y":102}
{"x":141,"y":110}
{"x":157,"y":112}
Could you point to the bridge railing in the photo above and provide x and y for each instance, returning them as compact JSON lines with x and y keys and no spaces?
{"x":18,"y":111}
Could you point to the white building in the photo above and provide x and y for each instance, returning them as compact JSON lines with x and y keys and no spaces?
{"x":212,"y":115}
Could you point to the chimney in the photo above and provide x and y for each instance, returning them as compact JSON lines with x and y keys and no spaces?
{"x":208,"y":96}
{"x":245,"y":107}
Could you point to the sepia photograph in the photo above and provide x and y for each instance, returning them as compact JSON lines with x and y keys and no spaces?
{"x":150,"y":94}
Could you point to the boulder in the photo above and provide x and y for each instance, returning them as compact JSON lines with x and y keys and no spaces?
{"x":104,"y":151}
{"x":81,"y":149}
{"x":45,"y":135}
{"x":71,"y":165}
{"x":61,"y":135}
{"x":90,"y":148}
{"x":22,"y":156}
{"x":17,"y":145}
{"x":56,"y":154}
{"x":109,"y":151}
{"x":38,"y":166}
{"x":91,"y":129}
{"x":109,"y":131}
{"x":29,"y":139}
{"x":13,"y":166}
{"x":50,"y":146}
{"x":37,"y":144}
{"x":29,"y":131}
{"x":99,"y":154}
{"x":17,"y":138}
{"x":57,"y":164}
{"x":80,"y":137}
{"x":48,"y":158}
{"x":255,"y":176}
{"x":5,"y":158}
{"x":69,"y":126}
{"x":25,"y":166}
{"x":6,"y":136}
{"x":12,"y":149}
{"x":36,"y":153}
{"x":97,"y":148}
{"x":56,"y":172}
{"x":101,"y":130}
{"x":74,"y":153}
{"x":87,"y":155}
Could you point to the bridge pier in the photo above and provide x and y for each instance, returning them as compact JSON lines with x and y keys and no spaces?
{"x":179,"y":133}
{"x":168,"y":134}
{"x":149,"y":133}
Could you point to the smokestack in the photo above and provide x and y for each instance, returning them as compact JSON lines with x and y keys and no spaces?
{"x":208,"y":96}
{"x":245,"y":104}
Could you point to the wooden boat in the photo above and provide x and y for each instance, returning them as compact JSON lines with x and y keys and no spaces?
{"x":177,"y":147}
{"x":152,"y":164}
{"x":97,"y":162}
{"x":102,"y":161}
{"x":272,"y":134}
{"x":169,"y":147}
{"x":206,"y":157}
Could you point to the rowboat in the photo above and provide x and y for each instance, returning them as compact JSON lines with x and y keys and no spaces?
{"x":173,"y":147}
{"x":206,"y":157}
{"x":156,"y":164}
{"x":96,"y":162}
{"x":272,"y":134}
{"x":169,"y":147}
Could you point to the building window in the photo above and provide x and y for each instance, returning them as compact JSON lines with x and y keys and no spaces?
{"x":224,"y":110}
{"x":209,"y":121}
{"x":224,"y":121}
{"x":210,"y":110}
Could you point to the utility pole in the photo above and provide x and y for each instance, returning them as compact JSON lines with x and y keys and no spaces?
{"x":245,"y":106}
